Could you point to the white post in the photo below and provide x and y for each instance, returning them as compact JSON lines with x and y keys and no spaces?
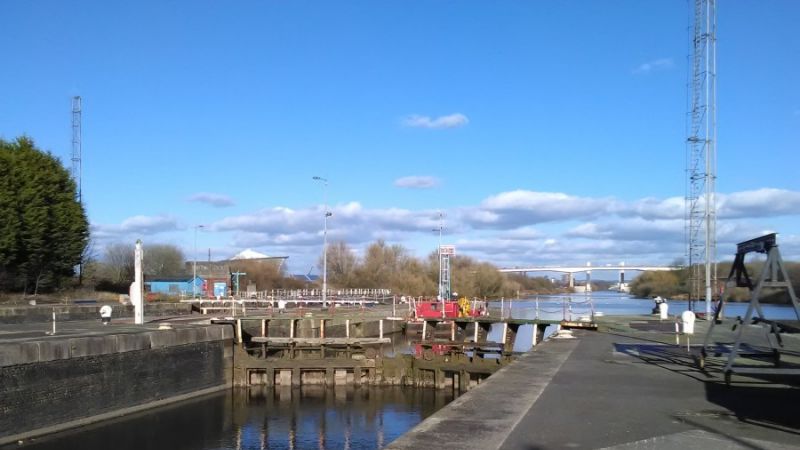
{"x":535,"y":331}
{"x":137,"y":288}
{"x":424,"y":328}
{"x":347,"y":327}
{"x":453,"y":330}
{"x":380,"y":328}
{"x":54,"y":321}
{"x":291,"y":328}
{"x":322,"y":328}
{"x":502,"y":307}
{"x":505,"y":333}
{"x":475,"y":337}
{"x":394,"y":306}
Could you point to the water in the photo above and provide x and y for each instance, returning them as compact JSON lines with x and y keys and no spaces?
{"x":282,"y":418}
{"x":578,"y":306}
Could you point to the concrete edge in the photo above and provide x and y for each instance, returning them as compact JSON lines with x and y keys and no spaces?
{"x":32,"y":352}
{"x":4,"y":440}
{"x":495,"y":407}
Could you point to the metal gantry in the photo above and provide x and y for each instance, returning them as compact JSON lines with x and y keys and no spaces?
{"x":76,"y":146}
{"x":701,"y":153}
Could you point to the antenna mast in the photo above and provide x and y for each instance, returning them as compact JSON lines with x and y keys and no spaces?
{"x":76,"y":146}
{"x":701,"y":152}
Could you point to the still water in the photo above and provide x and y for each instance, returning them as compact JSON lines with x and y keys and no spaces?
{"x":309,"y":417}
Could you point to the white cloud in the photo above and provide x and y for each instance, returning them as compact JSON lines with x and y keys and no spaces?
{"x":654,"y":65}
{"x":511,"y":228}
{"x":216,"y":200}
{"x":766,"y":202}
{"x":518,"y":208}
{"x":454,"y":120}
{"x":136,"y":225}
{"x":417,"y":182}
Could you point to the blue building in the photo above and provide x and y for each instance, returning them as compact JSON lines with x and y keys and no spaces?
{"x":174,"y":285}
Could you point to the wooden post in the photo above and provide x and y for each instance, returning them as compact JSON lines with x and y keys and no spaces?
{"x":322,"y":328}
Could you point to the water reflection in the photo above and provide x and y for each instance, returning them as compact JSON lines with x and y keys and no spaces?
{"x":259,"y":418}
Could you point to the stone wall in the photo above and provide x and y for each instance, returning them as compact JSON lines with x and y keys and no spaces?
{"x":60,"y":383}
{"x":44,"y":313}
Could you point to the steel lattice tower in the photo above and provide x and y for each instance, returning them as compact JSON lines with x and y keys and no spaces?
{"x":701,"y":151}
{"x":76,"y":146}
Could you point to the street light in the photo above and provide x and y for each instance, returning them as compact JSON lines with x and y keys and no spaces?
{"x":194,"y":263}
{"x":324,"y":240}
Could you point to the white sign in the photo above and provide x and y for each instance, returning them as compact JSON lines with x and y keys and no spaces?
{"x":447,"y":249}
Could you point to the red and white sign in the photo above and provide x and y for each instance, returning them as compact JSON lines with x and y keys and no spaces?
{"x":447,"y":249}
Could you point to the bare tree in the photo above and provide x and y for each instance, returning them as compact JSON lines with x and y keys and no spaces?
{"x":163,"y":260}
{"x":118,"y":263}
{"x":342,"y":265}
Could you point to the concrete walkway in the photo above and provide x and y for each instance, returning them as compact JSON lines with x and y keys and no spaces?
{"x":627,"y":387}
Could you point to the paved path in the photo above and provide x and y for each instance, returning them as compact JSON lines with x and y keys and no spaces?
{"x":627,"y":387}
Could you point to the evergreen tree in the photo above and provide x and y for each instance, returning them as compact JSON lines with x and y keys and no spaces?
{"x":43,"y":228}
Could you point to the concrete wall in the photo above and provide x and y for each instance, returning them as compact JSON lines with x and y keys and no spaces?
{"x":44,"y":313}
{"x":54,"y":384}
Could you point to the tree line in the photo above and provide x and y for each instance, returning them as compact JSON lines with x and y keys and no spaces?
{"x":394,"y":267}
{"x":676,"y":283}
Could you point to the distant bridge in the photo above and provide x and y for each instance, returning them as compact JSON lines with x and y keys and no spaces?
{"x":575,"y":269}
{"x":572,"y":270}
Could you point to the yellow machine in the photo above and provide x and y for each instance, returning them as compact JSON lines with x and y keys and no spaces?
{"x":463,"y":307}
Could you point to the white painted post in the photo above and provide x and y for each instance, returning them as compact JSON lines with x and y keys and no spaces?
{"x":424,"y":328}
{"x":475,"y":336}
{"x":239,"y":330}
{"x":510,"y":306}
{"x":453,"y":330}
{"x":263,"y":327}
{"x":380,"y":328}
{"x":394,"y":306}
{"x":502,"y":307}
{"x":535,"y":332}
{"x":137,"y":288}
{"x":322,"y":328}
{"x":347,"y":327}
{"x":291,"y":328}
{"x":505,"y":333}
{"x":54,"y":321}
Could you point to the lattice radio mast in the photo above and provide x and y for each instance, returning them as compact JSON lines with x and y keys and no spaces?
{"x":701,"y":152}
{"x":76,"y":146}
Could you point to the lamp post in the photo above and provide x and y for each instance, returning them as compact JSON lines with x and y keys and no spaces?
{"x":439,"y":252}
{"x":194,"y":263}
{"x":324,"y":240}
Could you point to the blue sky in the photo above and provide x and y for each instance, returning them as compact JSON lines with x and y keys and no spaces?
{"x":546,"y":132}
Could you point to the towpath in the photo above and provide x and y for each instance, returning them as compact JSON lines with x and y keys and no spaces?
{"x":625,"y":386}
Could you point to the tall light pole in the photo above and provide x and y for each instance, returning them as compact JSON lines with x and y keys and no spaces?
{"x":439,"y":253}
{"x":324,"y":240}
{"x":194,"y":263}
